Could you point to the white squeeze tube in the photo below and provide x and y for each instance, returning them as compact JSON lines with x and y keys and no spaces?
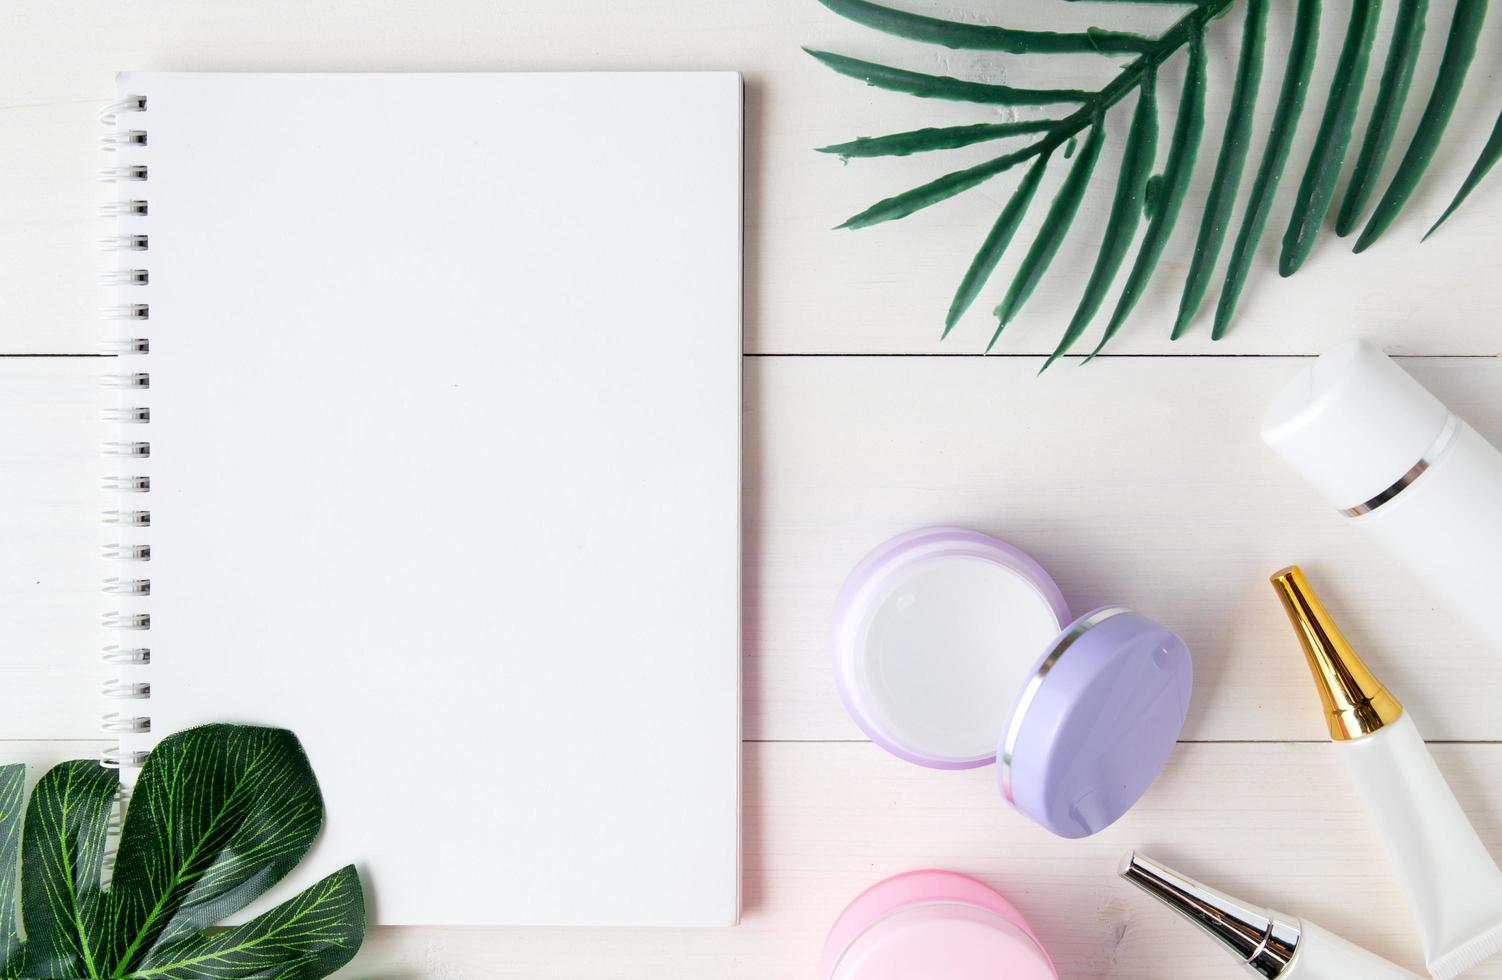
{"x":1269,"y":944}
{"x":1453,"y":885}
{"x":1402,"y":467}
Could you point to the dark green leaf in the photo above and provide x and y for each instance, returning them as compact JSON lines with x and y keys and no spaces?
{"x":1274,"y":157}
{"x":980,"y":37}
{"x":943,"y":86}
{"x":1460,"y":49}
{"x":62,"y":851}
{"x":12,"y":803}
{"x":1055,"y":226}
{"x":1228,"y":166}
{"x":1126,"y":211}
{"x":942,"y":138}
{"x":1160,"y":197}
{"x":1490,"y":154}
{"x":996,"y":243}
{"x":195,"y":850}
{"x":904,"y":204}
{"x":1183,"y":148}
{"x":309,"y":936}
{"x":1397,"y":76}
{"x":1152,"y":196}
{"x":1318,"y":186}
{"x":219,"y":814}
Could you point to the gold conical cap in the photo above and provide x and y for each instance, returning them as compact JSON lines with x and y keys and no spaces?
{"x":1356,"y":703}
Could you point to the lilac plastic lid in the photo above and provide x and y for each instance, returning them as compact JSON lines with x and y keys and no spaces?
{"x":951,"y":652}
{"x":1095,"y":722}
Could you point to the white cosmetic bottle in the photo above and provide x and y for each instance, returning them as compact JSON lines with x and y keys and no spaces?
{"x":1269,"y":944}
{"x":1453,"y":885}
{"x":1402,"y":467}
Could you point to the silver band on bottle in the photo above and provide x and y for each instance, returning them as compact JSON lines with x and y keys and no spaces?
{"x":1430,"y":457}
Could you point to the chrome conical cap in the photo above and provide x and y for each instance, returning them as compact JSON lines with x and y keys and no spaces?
{"x":1262,"y":939}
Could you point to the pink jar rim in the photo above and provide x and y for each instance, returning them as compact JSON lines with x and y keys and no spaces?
{"x":916,"y":890}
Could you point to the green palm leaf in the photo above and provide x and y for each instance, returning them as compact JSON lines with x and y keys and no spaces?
{"x":1397,"y":77}
{"x":936,"y":138}
{"x":944,"y":87}
{"x":979,"y":37}
{"x":1274,"y":158}
{"x":995,"y":245}
{"x":1490,"y":154}
{"x":1234,"y":146}
{"x":219,"y":814}
{"x":947,"y":186}
{"x":1162,"y":197}
{"x":1126,"y":212}
{"x":1183,"y":146}
{"x":1460,"y":48}
{"x":1329,"y":155}
{"x":1055,"y":226}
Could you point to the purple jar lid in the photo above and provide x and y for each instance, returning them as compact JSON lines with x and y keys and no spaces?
{"x":950,"y":651}
{"x":1095,"y":722}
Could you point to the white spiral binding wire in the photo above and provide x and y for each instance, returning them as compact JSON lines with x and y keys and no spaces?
{"x":127,"y":619}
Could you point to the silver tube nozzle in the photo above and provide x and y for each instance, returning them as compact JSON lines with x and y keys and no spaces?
{"x":1262,"y":939}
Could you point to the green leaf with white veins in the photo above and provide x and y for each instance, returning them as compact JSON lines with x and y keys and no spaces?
{"x":218,"y":816}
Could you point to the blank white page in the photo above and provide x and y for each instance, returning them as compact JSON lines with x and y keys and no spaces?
{"x":445,"y":456}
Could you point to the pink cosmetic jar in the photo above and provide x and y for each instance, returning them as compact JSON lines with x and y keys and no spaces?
{"x":933,"y":924}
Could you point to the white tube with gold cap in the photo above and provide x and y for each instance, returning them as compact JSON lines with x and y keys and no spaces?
{"x":1452,"y":883}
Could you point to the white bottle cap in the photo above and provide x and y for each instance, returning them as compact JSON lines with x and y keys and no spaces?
{"x":1354,"y":424}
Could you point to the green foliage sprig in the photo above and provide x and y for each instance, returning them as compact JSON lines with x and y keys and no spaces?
{"x":219,"y":815}
{"x":1158,"y":197}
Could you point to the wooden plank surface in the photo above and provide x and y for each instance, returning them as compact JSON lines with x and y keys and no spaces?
{"x":1138,"y":480}
{"x":1164,"y":499}
{"x":50,"y":540}
{"x":824,"y":820}
{"x":809,"y":289}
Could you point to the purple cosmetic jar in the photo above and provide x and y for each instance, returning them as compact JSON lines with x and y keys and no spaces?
{"x":955,"y":650}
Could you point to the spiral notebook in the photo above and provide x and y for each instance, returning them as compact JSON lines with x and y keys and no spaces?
{"x":428,"y":450}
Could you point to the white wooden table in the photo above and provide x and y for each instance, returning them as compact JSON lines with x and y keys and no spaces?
{"x":1137,"y":480}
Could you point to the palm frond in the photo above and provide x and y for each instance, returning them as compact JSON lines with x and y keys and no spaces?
{"x":1397,"y":77}
{"x":1158,"y":198}
{"x":996,"y":243}
{"x":904,"y":204}
{"x":1126,"y":212}
{"x":936,"y":138}
{"x":945,"y":87}
{"x":1234,"y":146}
{"x":1274,"y":158}
{"x":1184,"y":145}
{"x":980,"y":37}
{"x":1490,"y":154}
{"x":1329,"y":155}
{"x":1460,"y":48}
{"x":1055,"y":226}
